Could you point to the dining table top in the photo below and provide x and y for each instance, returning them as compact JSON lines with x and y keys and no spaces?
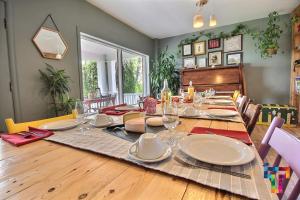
{"x":48,"y":170}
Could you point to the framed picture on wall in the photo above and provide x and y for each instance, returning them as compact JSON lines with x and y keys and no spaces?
{"x":234,"y":58}
{"x":214,"y":43}
{"x":187,"y":50}
{"x":201,"y":62}
{"x":215,"y":58}
{"x":189,"y":62}
{"x":199,"y":48}
{"x":234,"y":43}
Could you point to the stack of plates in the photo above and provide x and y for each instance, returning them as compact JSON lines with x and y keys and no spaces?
{"x":221,"y":113}
{"x":216,"y":149}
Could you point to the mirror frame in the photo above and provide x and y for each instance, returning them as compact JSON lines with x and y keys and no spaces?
{"x":49,"y":55}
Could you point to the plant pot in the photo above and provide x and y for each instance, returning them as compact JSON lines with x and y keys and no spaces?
{"x":271,"y":51}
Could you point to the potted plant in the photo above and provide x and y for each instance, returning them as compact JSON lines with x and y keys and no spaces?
{"x":267,"y":40}
{"x":57,"y":86}
{"x":164,"y":68}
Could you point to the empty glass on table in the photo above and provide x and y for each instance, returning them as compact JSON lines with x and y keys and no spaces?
{"x":171,"y":120}
{"x":82,"y":111}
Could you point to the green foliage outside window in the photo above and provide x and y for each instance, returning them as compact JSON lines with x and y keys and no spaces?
{"x":133,"y":79}
{"x":90,"y":77}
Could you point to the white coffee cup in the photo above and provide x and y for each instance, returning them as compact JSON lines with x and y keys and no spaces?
{"x":102,"y":120}
{"x":149,"y":147}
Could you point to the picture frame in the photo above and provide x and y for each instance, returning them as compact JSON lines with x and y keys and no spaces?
{"x":201,"y":62}
{"x":214,"y":43}
{"x":215,"y":58}
{"x":199,"y":48}
{"x":187,"y":50}
{"x":234,"y":58}
{"x":189,"y":62}
{"x":233,"y":44}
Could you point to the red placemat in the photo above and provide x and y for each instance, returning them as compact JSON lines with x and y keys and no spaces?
{"x":223,"y":108}
{"x":18,"y":139}
{"x":239,"y":135}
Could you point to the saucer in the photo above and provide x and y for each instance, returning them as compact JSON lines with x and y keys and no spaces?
{"x":101,"y":125}
{"x":164,"y":156}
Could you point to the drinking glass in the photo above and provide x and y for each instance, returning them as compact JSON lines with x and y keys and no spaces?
{"x":171,"y":120}
{"x":81,"y":113}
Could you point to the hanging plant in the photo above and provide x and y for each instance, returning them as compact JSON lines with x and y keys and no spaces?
{"x":267,"y":40}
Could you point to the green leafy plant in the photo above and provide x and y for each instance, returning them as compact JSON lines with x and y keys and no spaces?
{"x":90,"y":77}
{"x":57,"y":86}
{"x":267,"y":40}
{"x":132,"y":76}
{"x":164,"y":68}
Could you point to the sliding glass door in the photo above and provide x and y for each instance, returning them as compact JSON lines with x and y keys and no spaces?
{"x":133,"y":77}
{"x":112,"y":74}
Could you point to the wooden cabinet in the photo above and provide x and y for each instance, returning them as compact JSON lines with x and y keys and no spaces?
{"x":223,"y":79}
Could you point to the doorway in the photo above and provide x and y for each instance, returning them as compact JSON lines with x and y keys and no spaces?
{"x":6,"y":103}
{"x":112,"y":74}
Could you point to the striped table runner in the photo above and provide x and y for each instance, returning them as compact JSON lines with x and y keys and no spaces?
{"x":96,"y":140}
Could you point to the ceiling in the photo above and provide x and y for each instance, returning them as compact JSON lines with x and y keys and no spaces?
{"x":166,"y":18}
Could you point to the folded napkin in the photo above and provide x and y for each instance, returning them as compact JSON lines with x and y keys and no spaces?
{"x":243,"y":136}
{"x":18,"y":138}
{"x":223,"y":108}
{"x":112,"y":108}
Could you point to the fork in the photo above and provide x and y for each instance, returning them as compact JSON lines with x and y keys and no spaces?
{"x":211,"y":168}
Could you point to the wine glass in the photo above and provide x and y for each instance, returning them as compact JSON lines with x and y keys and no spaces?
{"x":81,"y":113}
{"x":171,"y":120}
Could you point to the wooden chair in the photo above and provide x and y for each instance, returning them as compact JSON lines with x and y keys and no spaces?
{"x":251,"y":116}
{"x":13,"y":127}
{"x":287,"y":147}
{"x":242,"y":103}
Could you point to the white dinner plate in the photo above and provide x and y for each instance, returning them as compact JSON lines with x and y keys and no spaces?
{"x":221,"y":102}
{"x":164,"y":156}
{"x":101,"y":125}
{"x":221,"y":113}
{"x":125,"y":108}
{"x":60,"y":125}
{"x":216,"y":149}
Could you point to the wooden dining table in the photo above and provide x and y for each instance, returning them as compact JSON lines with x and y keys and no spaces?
{"x":47,"y":170}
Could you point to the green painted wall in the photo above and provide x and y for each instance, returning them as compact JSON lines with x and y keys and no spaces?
{"x":25,"y":17}
{"x":268,"y":80}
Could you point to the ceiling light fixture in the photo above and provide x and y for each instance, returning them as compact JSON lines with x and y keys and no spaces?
{"x":198,"y":20}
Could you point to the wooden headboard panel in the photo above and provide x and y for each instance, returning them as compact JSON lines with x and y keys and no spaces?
{"x":223,"y":79}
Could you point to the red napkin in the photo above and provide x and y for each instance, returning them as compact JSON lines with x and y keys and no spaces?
{"x":113,"y":112}
{"x":110,"y":108}
{"x":18,"y":139}
{"x":223,"y":108}
{"x":239,"y":135}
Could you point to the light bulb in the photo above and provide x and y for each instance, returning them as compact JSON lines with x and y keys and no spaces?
{"x":198,"y":21}
{"x":212,"y":20}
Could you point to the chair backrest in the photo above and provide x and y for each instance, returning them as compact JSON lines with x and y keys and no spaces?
{"x":251,"y":116}
{"x":264,"y":146}
{"x":287,"y":147}
{"x":13,"y":127}
{"x":242,"y":104}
